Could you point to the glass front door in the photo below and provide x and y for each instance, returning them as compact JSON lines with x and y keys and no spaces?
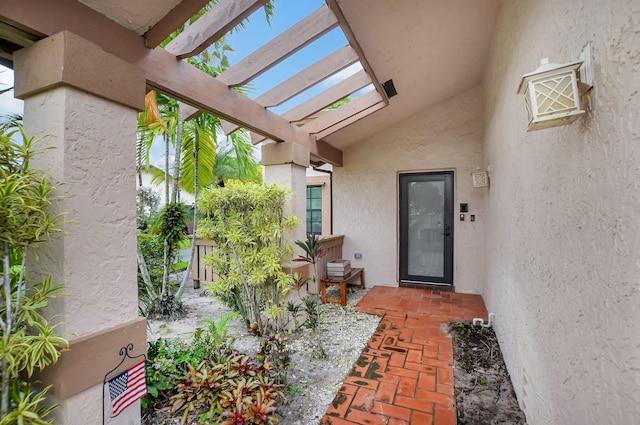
{"x":426,"y":228}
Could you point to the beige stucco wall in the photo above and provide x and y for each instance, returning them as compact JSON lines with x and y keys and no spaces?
{"x":99,"y":248}
{"x":291,"y":177}
{"x":446,"y":137}
{"x":324,"y":181}
{"x":562,"y":246}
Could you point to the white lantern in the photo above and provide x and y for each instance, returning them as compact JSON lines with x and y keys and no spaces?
{"x":480,"y":179}
{"x":551,"y":95}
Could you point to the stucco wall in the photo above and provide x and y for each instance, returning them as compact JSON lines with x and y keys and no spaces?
{"x":96,"y":260}
{"x":562,"y":245}
{"x":324,"y":181}
{"x":446,"y":137}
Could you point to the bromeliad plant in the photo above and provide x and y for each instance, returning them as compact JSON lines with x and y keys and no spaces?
{"x":246,"y":221}
{"x":207,"y":381}
{"x":28,"y":342}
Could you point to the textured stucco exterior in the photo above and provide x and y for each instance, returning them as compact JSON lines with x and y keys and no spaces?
{"x":291,"y":177}
{"x":92,"y":165}
{"x":99,"y":248}
{"x":562,"y":247}
{"x":446,"y":137}
{"x":324,"y":181}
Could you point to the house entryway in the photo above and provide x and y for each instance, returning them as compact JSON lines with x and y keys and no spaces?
{"x":426,"y":228}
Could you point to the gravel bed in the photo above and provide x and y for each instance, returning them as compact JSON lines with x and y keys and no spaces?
{"x":311,"y":382}
{"x":344,"y":334}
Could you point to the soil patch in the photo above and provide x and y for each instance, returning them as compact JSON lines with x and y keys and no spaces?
{"x":483,"y":390}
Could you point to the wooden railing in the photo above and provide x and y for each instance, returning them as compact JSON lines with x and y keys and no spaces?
{"x":198,"y":270}
{"x":332,"y":244}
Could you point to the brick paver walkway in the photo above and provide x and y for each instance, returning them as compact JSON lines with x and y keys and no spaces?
{"x":405,"y":374}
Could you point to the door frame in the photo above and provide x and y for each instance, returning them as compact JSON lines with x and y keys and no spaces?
{"x":448,"y":176}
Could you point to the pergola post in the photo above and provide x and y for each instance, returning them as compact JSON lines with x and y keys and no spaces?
{"x":285,"y":164}
{"x":84,"y":102}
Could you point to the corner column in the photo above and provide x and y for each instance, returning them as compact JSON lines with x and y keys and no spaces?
{"x":286,"y":165}
{"x":83,"y":101}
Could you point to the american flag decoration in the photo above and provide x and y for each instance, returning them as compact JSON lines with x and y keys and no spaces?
{"x":127,"y":388}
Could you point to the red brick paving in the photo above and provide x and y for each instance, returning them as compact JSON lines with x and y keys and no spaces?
{"x":405,"y":374}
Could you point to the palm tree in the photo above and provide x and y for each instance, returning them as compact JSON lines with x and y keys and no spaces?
{"x":197,"y":162}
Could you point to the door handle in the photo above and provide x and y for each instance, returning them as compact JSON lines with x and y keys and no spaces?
{"x":446,"y":231}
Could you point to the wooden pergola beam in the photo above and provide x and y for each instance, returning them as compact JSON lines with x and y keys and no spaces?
{"x":281,"y":47}
{"x":328,"y":97}
{"x":348,"y":33}
{"x":342,"y":113}
{"x":212,"y":26}
{"x":165,"y":72}
{"x":313,"y":74}
{"x":172,"y":21}
{"x":342,"y":124}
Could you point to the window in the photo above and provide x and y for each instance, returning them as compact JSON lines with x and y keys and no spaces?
{"x":314,"y":209}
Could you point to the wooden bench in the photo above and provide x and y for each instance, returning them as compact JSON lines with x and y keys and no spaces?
{"x":357,"y":272}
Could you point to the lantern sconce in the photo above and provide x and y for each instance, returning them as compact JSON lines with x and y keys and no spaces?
{"x":553,"y":92}
{"x":480,"y":178}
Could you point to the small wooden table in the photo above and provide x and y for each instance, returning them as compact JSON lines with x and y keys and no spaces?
{"x":357,"y":272}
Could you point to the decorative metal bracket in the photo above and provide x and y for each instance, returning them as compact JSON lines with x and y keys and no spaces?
{"x":125,"y":354}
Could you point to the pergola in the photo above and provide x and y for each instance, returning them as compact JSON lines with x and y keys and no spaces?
{"x":83,"y":68}
{"x":410,"y":44}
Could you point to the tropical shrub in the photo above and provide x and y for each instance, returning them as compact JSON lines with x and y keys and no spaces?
{"x":147,"y":202}
{"x":157,"y":253}
{"x":246,"y":221}
{"x":152,"y":248}
{"x":313,"y":252}
{"x":28,"y":342}
{"x":207,"y":381}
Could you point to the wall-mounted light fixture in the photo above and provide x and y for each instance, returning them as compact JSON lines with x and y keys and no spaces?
{"x":480,"y":178}
{"x":552,"y":94}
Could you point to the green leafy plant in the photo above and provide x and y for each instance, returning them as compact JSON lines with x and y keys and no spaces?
{"x":151,"y":248}
{"x":312,"y":308}
{"x":469,"y":328}
{"x":313,"y":250}
{"x":275,"y":356}
{"x":169,"y":360}
{"x":295,"y":310}
{"x":246,"y":221}
{"x":169,"y":226}
{"x":236,"y":391}
{"x":295,"y":390}
{"x":28,"y":342}
{"x":147,"y":202}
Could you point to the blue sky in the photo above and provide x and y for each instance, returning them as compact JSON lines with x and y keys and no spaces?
{"x":7,"y":103}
